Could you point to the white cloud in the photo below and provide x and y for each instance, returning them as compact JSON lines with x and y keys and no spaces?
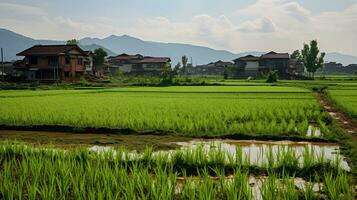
{"x":10,"y":8}
{"x":263,"y":25}
{"x":279,"y":25}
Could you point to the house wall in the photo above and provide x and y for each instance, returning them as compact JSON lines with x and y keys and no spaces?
{"x":153,"y":66}
{"x":74,"y":70}
{"x":252,"y":65}
{"x":281,"y":65}
{"x":126,"y":68}
{"x":68,"y":72}
{"x":88,"y":62}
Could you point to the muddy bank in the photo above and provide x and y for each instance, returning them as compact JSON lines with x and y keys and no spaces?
{"x":343,"y":119}
{"x":312,"y":135}
{"x":72,"y":140}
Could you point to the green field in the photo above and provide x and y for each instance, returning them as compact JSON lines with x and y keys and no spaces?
{"x":41,"y":173}
{"x":193,"y":111}
{"x":345,"y":98}
{"x":286,"y":110}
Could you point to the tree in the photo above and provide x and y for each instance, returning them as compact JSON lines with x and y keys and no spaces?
{"x":99,"y":57}
{"x":226,"y":72}
{"x":167,"y":74}
{"x":312,"y":58}
{"x":177,"y":69}
{"x":296,"y":55}
{"x":272,"y":77}
{"x":72,"y":42}
{"x":184,"y":60}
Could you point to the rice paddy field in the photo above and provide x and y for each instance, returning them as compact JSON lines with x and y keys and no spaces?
{"x":345,"y":98}
{"x":204,"y":164}
{"x":45,"y":173}
{"x":190,"y":111}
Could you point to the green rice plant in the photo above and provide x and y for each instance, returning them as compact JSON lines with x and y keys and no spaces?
{"x":253,"y":110}
{"x":345,"y":99}
{"x":36,"y":173}
{"x":338,"y":186}
{"x":269,"y":188}
{"x":206,"y":189}
{"x":238,"y":188}
{"x":288,"y":189}
{"x":188,"y":190}
{"x":308,"y":191}
{"x":308,"y":157}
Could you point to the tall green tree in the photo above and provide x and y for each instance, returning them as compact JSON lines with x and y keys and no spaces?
{"x":176,"y":69}
{"x":72,"y":42}
{"x":99,"y":57}
{"x":312,"y":58}
{"x":167,"y":74}
{"x":295,"y":55}
{"x":184,"y":61}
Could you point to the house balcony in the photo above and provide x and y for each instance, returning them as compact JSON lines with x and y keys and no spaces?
{"x":75,"y":68}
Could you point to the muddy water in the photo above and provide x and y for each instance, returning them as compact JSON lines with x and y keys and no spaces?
{"x":252,"y":150}
{"x":256,"y":150}
{"x":313,"y":131}
{"x":255,"y":182}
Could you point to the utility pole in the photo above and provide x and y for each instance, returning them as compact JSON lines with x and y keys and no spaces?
{"x":3,"y":66}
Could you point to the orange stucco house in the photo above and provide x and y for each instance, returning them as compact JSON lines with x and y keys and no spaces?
{"x":55,"y":62}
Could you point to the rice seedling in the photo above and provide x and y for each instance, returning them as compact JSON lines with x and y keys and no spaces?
{"x":345,"y":99}
{"x":253,"y":110}
{"x":45,"y":173}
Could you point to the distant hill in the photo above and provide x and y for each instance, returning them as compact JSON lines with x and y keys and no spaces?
{"x":341,"y":58}
{"x":93,"y":47}
{"x":14,"y":43}
{"x":131,"y":45}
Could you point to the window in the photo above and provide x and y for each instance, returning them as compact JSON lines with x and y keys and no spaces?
{"x":78,"y":74}
{"x":53,"y":61}
{"x":68,"y":60}
{"x":33,"y":60}
{"x":80,"y":61}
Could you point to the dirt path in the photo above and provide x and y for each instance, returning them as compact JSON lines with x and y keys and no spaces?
{"x":345,"y":121}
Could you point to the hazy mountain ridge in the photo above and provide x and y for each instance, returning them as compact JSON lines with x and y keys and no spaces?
{"x":13,"y":43}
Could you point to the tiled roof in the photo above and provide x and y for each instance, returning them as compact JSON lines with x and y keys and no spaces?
{"x":273,"y":55}
{"x":138,"y":59}
{"x":49,"y":50}
{"x":248,"y":58}
{"x":155,"y":60}
{"x":126,"y":57}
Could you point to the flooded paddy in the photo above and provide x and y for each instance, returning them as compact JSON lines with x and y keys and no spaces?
{"x":243,"y":164}
{"x":258,"y":152}
{"x":255,"y":183}
{"x":253,"y":152}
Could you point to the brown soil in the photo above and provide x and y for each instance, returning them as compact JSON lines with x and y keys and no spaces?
{"x":72,"y":140}
{"x":344,"y":120}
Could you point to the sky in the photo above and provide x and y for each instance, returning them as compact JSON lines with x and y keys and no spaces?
{"x":234,"y":25}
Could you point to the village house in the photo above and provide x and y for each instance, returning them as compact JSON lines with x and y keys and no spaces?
{"x":138,"y":64}
{"x":247,"y":66}
{"x":89,"y":62}
{"x":253,"y":66}
{"x":56,"y":63}
{"x":337,"y":68}
{"x":213,"y":68}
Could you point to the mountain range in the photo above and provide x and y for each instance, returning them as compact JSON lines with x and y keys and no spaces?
{"x":13,"y":43}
